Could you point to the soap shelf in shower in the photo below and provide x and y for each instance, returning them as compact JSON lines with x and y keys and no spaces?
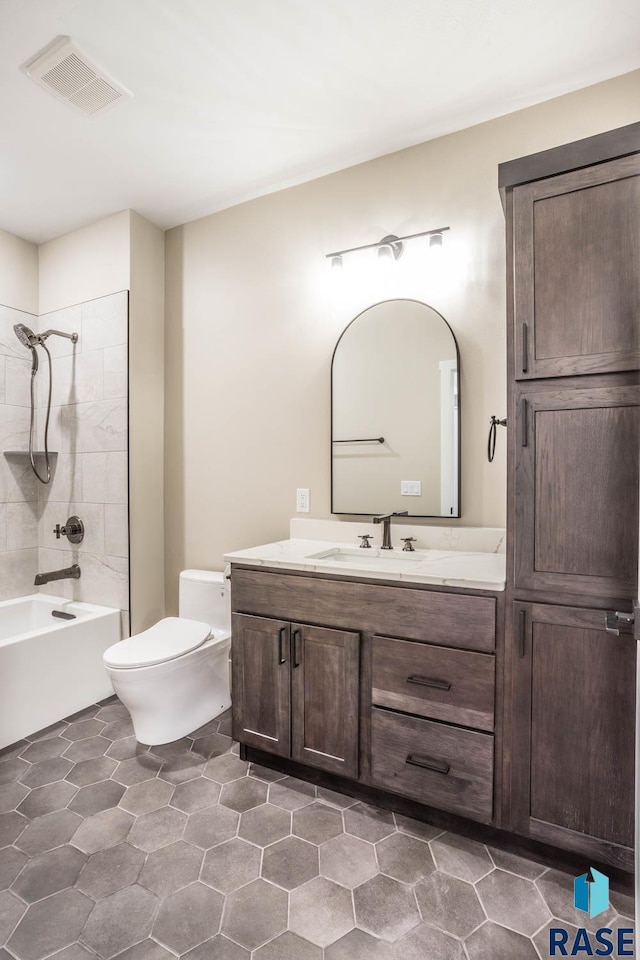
{"x":25,"y":453}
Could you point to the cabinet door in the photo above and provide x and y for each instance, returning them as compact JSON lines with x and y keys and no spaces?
{"x":577,"y":273}
{"x":325,"y":674}
{"x":261,"y":683}
{"x":576,"y":483}
{"x":572,"y":731}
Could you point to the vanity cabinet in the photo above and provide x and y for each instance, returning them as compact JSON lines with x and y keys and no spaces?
{"x":295,"y":691}
{"x":261,"y":683}
{"x":413,"y":685}
{"x":575,"y":253}
{"x":573,"y":745}
{"x":576,"y":487}
{"x":573,"y":282}
{"x":390,"y":685}
{"x":434,"y":763}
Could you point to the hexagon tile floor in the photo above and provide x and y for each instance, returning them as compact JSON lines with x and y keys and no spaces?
{"x":110,"y":849}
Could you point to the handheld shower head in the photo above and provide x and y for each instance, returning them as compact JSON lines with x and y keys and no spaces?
{"x":25,"y":335}
{"x":28,"y":339}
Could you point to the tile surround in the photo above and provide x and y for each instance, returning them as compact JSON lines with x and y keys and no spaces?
{"x":135,"y":866}
{"x":88,"y":429}
{"x":18,"y":486}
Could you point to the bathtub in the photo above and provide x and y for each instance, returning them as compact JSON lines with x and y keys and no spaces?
{"x":51,"y":667}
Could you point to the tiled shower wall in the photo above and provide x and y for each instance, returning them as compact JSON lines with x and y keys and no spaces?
{"x":18,"y":485}
{"x":88,"y":430}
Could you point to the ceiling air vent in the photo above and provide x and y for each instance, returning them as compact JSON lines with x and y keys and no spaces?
{"x":69,"y":75}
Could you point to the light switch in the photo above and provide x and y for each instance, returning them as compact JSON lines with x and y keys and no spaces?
{"x":411,"y":488}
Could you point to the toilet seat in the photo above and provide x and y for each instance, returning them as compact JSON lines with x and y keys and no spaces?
{"x":166,"y":640}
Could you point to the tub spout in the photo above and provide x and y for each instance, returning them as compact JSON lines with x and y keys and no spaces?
{"x":69,"y":573}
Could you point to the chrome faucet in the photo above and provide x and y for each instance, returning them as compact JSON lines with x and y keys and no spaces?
{"x":69,"y":573}
{"x":385,"y":520}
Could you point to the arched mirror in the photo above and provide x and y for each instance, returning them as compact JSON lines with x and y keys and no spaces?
{"x":395,"y":414}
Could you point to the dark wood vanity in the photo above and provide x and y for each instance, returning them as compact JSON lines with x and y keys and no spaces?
{"x":514,"y":709}
{"x":390,"y":685}
{"x":573,"y":275}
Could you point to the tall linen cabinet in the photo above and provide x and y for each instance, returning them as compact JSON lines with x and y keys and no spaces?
{"x":573,"y":296}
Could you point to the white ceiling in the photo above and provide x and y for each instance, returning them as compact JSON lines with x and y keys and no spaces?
{"x":236,"y":98}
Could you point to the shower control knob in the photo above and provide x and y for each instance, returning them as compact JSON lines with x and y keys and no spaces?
{"x":73,"y":530}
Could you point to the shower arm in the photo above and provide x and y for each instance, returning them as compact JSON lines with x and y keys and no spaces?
{"x":58,"y":333}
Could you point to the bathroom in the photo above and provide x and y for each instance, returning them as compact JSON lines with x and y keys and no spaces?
{"x":207,"y":324}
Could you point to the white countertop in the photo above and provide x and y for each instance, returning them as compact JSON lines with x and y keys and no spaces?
{"x":451,"y":568}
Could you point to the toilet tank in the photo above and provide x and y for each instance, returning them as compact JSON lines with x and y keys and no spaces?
{"x":204,"y":595}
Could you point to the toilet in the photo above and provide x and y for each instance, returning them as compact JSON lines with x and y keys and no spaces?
{"x":174,"y":677}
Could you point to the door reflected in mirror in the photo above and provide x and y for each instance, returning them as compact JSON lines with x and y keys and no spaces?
{"x":395,"y":431}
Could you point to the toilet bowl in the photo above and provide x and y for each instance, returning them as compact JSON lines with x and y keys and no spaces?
{"x":174,"y":677}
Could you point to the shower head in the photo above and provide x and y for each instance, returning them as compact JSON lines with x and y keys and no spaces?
{"x":28,"y":339}
{"x":25,"y":335}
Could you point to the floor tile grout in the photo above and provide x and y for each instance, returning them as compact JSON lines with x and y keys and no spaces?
{"x":450,"y":855}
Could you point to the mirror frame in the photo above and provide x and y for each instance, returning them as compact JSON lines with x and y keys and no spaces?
{"x":427,"y":516}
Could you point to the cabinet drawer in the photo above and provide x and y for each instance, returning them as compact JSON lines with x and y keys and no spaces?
{"x":447,"y":619}
{"x":438,"y":682}
{"x":434,"y":763}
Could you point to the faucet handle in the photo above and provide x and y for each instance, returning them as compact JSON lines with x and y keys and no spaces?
{"x":408,"y":543}
{"x":365,"y":537}
{"x":73,"y":530}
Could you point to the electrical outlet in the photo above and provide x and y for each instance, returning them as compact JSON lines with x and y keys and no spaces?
{"x":411,"y":488}
{"x":302,"y":500}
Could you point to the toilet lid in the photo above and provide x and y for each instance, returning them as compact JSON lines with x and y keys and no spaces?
{"x":165,"y":640}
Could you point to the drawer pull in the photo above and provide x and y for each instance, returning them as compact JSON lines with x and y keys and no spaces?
{"x":522,"y":636}
{"x":524,"y":413}
{"x":281,"y":634}
{"x":427,"y":763}
{"x":430,"y":682}
{"x":296,"y":656}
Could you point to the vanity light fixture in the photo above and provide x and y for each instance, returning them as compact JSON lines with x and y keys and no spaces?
{"x":390,"y":248}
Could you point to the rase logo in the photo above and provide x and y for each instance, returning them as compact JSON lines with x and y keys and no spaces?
{"x":591,"y":892}
{"x":591,"y":895}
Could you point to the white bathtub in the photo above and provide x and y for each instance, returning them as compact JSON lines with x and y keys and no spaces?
{"x":50,"y":667}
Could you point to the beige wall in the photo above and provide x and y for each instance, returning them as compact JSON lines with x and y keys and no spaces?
{"x":18,"y":273}
{"x":253,"y":316}
{"x":146,"y":422}
{"x":85,"y":264}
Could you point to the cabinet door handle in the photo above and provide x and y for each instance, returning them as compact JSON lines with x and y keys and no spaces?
{"x":428,"y":763}
{"x":430,"y":682}
{"x":295,"y":638}
{"x":524,"y":417}
{"x":525,"y":348}
{"x":281,"y":634}
{"x":522,"y":622}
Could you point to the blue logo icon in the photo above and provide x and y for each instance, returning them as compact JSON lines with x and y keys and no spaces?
{"x":591,"y":892}
{"x":591,"y":895}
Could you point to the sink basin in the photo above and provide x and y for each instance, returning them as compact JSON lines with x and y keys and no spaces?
{"x":371,"y":558}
